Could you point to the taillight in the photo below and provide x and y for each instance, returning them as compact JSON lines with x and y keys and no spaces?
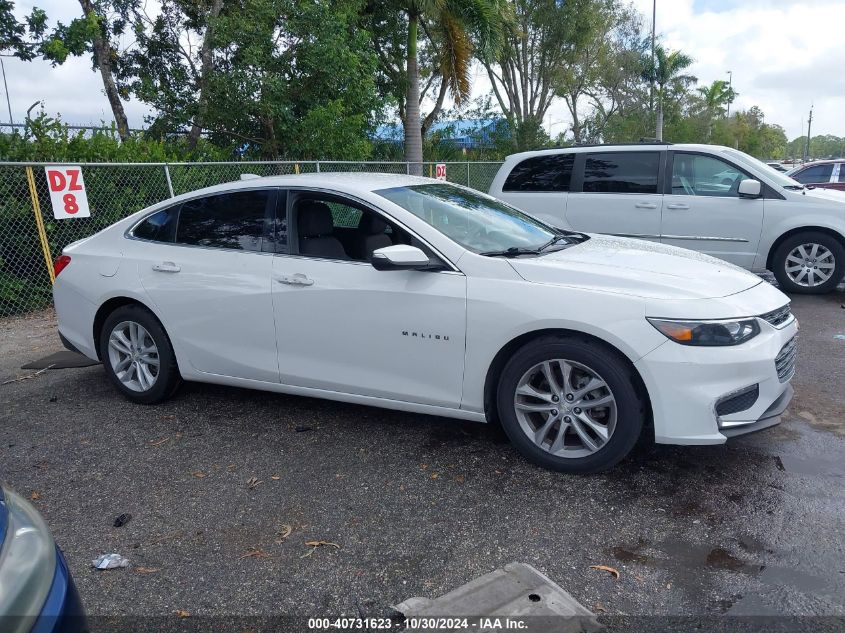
{"x":60,"y":264}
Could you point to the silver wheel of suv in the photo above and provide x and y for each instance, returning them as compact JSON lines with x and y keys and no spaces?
{"x":810,"y":265}
{"x":133,"y":356}
{"x":565,"y":408}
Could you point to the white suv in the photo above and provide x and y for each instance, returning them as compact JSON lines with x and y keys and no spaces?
{"x":708,"y":198}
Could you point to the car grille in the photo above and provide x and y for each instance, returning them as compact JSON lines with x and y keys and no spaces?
{"x":778,"y":317}
{"x":741,"y":401}
{"x":785,"y":360}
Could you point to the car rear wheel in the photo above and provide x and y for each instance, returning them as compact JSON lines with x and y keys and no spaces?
{"x":809,"y":263}
{"x":570,"y":405}
{"x":137,"y":355}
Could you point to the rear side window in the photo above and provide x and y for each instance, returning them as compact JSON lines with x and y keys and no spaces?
{"x":621,"y":172}
{"x":158,"y":227}
{"x":231,"y":220}
{"x":541,"y":173}
{"x":841,"y":172}
{"x":815,"y":174}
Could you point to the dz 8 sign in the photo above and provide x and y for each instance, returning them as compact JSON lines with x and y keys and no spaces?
{"x":440,"y":171}
{"x":67,"y":192}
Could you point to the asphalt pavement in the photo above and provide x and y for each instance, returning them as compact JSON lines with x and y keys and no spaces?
{"x":226,"y":488}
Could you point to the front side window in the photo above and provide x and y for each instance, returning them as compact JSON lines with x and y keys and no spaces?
{"x":814,"y":174}
{"x":158,"y":227}
{"x":697,"y":175}
{"x":230,"y":220}
{"x":552,"y":172}
{"x":621,"y":172}
{"x":476,"y":221}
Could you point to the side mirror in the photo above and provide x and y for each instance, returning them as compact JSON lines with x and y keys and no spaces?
{"x":749,"y":188}
{"x":399,"y":257}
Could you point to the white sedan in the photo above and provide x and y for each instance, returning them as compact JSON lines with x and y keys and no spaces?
{"x":418,"y":295}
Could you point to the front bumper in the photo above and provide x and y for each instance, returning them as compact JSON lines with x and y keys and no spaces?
{"x":686,"y":384}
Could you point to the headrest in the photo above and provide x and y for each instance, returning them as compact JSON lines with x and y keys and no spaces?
{"x":372,"y":224}
{"x":314,"y":218}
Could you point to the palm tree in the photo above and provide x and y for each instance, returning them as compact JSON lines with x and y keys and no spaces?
{"x":666,"y":71}
{"x":458,"y":29}
{"x":715,"y":97}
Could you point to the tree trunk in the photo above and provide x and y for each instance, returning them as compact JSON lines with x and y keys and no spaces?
{"x":103,"y":58}
{"x":206,"y":60}
{"x":413,"y":131}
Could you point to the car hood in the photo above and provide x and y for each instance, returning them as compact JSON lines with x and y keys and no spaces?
{"x":828,"y":195}
{"x":636,"y":267}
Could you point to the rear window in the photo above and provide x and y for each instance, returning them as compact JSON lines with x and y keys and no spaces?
{"x":541,"y":173}
{"x":621,"y":172}
{"x":230,"y":220}
{"x":158,"y":227}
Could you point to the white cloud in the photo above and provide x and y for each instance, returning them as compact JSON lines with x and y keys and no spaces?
{"x":784,"y":56}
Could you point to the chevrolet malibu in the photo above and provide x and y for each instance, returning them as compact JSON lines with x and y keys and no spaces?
{"x":422,"y":296}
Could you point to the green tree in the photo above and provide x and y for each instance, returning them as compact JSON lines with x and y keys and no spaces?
{"x":280,"y":78}
{"x":715,"y":99}
{"x":21,"y":38}
{"x":434,"y":41}
{"x":667,"y":74}
{"x":540,"y":43}
{"x":96,"y":32}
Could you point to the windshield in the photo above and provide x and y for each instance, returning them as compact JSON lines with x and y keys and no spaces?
{"x":773,"y":174}
{"x":474,"y":220}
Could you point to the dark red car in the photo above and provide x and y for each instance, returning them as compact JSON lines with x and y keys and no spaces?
{"x":829,"y":174}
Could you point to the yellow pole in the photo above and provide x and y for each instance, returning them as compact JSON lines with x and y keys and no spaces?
{"x":39,"y":222}
{"x":296,"y":168}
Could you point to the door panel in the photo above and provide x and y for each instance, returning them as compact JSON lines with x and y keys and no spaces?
{"x":218,"y":304}
{"x":617,"y":193}
{"x":704,"y":212}
{"x":344,"y":326}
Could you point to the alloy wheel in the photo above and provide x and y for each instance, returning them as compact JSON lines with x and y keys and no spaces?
{"x":810,"y":265}
{"x":566,"y":408}
{"x":133,"y":356}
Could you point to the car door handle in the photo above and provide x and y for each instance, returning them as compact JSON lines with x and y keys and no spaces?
{"x":167,"y":267}
{"x":297,"y":279}
{"x":646,"y":205}
{"x":678,"y":207}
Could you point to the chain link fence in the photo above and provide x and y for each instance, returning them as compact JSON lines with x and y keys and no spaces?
{"x":30,"y":239}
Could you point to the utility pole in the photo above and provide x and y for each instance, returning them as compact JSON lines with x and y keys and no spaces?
{"x":653,"y":24}
{"x":6,"y":88}
{"x":809,"y":127}
{"x":730,"y":93}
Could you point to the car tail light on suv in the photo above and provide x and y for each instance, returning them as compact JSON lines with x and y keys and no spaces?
{"x":60,"y":264}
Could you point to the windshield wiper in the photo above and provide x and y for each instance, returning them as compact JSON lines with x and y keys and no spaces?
{"x":513,"y":251}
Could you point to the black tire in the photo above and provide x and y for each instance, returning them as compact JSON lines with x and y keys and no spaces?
{"x":607,"y":363}
{"x":779,"y":262}
{"x":168,"y":379}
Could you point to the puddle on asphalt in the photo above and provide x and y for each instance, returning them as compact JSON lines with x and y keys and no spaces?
{"x":814,"y":467}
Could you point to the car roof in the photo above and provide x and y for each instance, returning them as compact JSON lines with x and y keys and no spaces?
{"x":615,"y":147}
{"x":349,"y":182}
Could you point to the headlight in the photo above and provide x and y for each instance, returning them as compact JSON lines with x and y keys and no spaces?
{"x":27,"y":564}
{"x":708,"y":333}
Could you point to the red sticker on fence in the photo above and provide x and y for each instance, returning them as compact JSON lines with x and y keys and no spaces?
{"x":67,"y":192}
{"x":440,"y":171}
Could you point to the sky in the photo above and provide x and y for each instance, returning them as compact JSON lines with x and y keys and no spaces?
{"x":785,"y":55}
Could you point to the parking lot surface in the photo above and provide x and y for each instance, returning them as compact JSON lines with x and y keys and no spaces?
{"x":226,"y":486}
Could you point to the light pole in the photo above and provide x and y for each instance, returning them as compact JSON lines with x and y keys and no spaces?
{"x":730,"y":91}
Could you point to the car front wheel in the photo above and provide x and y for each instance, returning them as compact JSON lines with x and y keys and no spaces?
{"x":809,"y":263}
{"x":137,"y":355}
{"x":570,"y":405}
